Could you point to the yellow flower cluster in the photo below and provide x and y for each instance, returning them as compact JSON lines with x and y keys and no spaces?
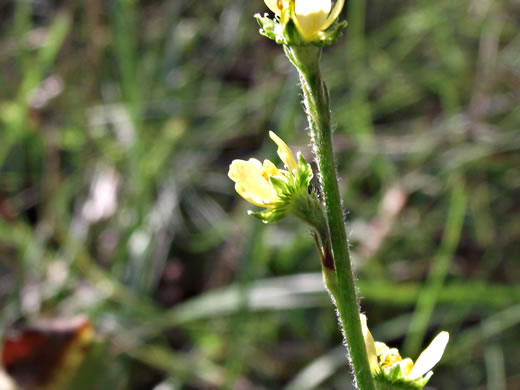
{"x":311,"y":17}
{"x":384,"y":359}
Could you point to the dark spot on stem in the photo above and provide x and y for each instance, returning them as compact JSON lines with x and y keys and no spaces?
{"x":326,"y":257}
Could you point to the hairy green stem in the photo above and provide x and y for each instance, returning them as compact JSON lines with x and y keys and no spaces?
{"x":316,"y":99}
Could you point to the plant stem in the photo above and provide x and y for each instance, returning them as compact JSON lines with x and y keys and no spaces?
{"x":316,"y":101}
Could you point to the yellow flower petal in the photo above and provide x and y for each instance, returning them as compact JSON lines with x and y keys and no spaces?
{"x":311,"y":16}
{"x":251,"y":182}
{"x":406,"y":366}
{"x":284,"y":152}
{"x":273,"y":6}
{"x":381,"y":347}
{"x":269,"y":169}
{"x":430,"y":356}
{"x":370,"y":344}
{"x":334,"y":14}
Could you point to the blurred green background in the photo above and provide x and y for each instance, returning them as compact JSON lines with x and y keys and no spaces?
{"x":118,"y":120}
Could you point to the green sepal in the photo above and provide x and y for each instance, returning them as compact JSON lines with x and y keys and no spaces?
{"x":305,"y":174}
{"x":395,"y":374}
{"x":270,"y":28}
{"x":269,"y":215}
{"x":273,"y":29}
{"x":289,"y":35}
{"x":292,"y":35}
{"x":282,"y":186}
{"x":393,"y":379}
{"x":288,"y":186}
{"x":333,"y":33}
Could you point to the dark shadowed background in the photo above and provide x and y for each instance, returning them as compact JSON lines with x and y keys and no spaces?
{"x":118,"y":121}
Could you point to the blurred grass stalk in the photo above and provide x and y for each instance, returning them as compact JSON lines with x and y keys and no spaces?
{"x":439,"y":269}
{"x":15,"y":114}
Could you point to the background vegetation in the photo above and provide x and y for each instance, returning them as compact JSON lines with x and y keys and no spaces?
{"x":118,"y":120}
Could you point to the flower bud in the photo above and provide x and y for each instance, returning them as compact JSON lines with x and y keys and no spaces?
{"x":312,"y":20}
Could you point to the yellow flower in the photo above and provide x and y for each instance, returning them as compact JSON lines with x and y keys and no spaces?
{"x":282,"y":192}
{"x":311,"y":17}
{"x":253,"y":179}
{"x":384,"y":359}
